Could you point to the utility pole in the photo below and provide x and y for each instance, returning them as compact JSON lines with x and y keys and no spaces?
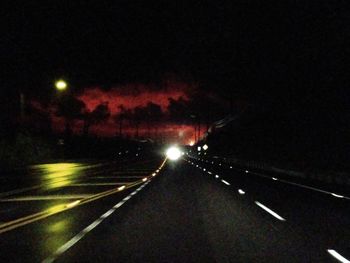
{"x":22,"y":105}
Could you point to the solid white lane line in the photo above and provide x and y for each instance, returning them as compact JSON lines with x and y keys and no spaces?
{"x":336,"y":195}
{"x":127,"y":198}
{"x":225,"y":182}
{"x":119,"y":204}
{"x":274,"y":214}
{"x":209,"y":173}
{"x":93,"y":225}
{"x":314,"y":189}
{"x":86,"y":230}
{"x":110,"y":211}
{"x":303,"y":186}
{"x":339,"y":257}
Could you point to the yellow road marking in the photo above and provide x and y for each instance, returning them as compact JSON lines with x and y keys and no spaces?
{"x":131,"y":172}
{"x":47,"y":197}
{"x":17,"y":191}
{"x":7,"y":226}
{"x":98,"y":184}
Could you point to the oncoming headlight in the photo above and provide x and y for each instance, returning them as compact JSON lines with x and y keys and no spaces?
{"x":173,"y":153}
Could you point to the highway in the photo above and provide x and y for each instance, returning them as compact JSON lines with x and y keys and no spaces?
{"x":144,"y":208}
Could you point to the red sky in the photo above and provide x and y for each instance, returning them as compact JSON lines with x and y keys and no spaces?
{"x":131,"y":96}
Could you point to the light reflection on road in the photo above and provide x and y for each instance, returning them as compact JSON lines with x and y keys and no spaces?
{"x":58,"y":232}
{"x":59,"y":174}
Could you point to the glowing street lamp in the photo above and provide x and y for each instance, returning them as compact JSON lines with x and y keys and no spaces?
{"x":61,"y":85}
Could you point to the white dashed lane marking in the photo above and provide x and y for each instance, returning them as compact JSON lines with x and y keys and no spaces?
{"x":339,"y":257}
{"x":90,"y":227}
{"x":274,"y":214}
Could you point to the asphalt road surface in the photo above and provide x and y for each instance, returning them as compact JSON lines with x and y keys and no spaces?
{"x":146,"y":209}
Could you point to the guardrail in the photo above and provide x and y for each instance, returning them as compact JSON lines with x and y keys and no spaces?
{"x":327,"y":177}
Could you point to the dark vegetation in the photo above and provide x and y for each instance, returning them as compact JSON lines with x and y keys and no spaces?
{"x":300,"y":141}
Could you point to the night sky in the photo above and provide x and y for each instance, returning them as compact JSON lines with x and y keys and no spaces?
{"x":288,"y":59}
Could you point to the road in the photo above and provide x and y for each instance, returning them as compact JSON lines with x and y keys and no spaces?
{"x":142,"y":209}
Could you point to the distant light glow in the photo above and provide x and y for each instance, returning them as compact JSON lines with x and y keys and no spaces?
{"x":199,"y":148}
{"x":205,"y":147}
{"x":191,"y":143}
{"x":274,"y":178}
{"x":61,"y":85}
{"x":173,"y":153}
{"x":144,"y":179}
{"x":59,"y":174}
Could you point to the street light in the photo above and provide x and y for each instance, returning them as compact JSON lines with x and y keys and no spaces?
{"x":61,"y":85}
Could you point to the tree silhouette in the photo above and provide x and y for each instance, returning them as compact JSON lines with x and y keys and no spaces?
{"x":178,"y":109}
{"x":121,"y":117}
{"x":138,"y":115}
{"x":71,"y":109}
{"x":100,"y":114}
{"x":153,"y":114}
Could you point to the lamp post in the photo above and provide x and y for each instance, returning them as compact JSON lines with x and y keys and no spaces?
{"x":61,"y":86}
